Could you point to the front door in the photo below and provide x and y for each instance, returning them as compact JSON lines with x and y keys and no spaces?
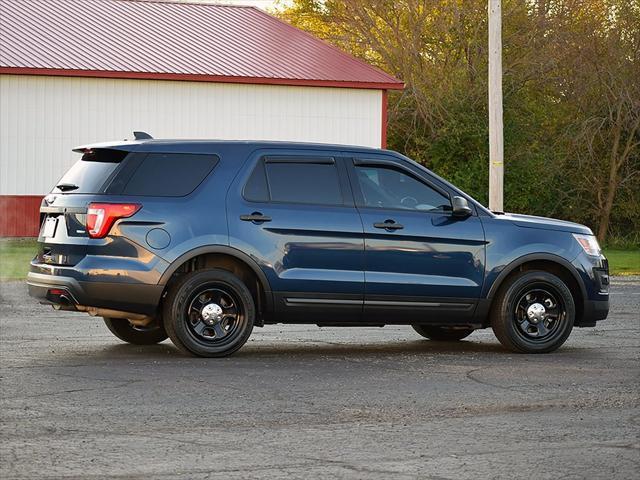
{"x":294,"y":213}
{"x":422,"y":264}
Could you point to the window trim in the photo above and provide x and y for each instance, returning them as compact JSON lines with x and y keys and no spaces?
{"x":313,"y":159}
{"x":298,"y":159}
{"x":392,"y":165}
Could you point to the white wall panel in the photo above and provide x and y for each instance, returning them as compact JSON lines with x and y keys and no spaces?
{"x":42,"y":118}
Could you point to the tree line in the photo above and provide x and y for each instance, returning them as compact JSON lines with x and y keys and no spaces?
{"x":571,"y":96}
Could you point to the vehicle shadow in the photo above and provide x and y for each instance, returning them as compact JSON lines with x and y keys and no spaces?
{"x":308,"y":349}
{"x":391,"y":348}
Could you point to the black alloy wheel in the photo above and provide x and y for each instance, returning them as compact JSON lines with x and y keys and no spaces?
{"x":214,"y":313}
{"x":209,"y":313}
{"x":533,"y":312}
{"x":539,"y":312}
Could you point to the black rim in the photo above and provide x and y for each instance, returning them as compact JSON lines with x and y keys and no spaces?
{"x":539,"y":312}
{"x":214,"y":315}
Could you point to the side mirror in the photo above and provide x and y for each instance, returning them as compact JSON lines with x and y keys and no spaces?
{"x":461,"y":207}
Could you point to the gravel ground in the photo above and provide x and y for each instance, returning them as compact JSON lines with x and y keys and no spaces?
{"x":303,"y":402}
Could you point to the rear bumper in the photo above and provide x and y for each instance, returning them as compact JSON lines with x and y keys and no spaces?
{"x":130,"y":297}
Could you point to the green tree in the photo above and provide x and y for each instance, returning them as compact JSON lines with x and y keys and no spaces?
{"x":570,"y":95}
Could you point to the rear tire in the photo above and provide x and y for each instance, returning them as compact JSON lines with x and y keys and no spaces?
{"x":129,"y":333}
{"x":533,"y":312}
{"x":442,"y":334}
{"x":209,"y":313}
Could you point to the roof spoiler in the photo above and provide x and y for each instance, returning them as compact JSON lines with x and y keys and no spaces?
{"x":118,"y":144}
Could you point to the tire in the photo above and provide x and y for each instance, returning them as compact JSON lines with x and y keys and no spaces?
{"x":519,"y":322}
{"x":129,"y":333}
{"x":209,"y":313}
{"x":442,"y":334}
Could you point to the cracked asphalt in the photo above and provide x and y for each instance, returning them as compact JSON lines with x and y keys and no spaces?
{"x":304,"y":402}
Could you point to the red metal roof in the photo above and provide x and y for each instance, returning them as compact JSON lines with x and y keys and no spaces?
{"x":174,"y":41}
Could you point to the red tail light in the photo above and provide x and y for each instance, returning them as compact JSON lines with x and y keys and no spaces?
{"x":100,"y":216}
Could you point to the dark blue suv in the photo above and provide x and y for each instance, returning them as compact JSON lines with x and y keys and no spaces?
{"x":201,"y":241}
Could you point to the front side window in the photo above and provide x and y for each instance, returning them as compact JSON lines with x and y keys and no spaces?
{"x":383,"y":187}
{"x":290,"y":181}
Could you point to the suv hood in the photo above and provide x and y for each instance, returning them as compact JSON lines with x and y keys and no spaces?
{"x":544,"y":223}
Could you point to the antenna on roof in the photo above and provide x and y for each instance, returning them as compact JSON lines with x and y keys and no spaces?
{"x":142,"y":136}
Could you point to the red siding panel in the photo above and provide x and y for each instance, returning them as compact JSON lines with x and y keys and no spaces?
{"x":168,"y":39}
{"x":20,"y":215}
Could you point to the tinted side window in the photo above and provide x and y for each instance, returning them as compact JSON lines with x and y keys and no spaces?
{"x":169,"y":174}
{"x":256,"y":189}
{"x":389,"y":188}
{"x":315,"y":183}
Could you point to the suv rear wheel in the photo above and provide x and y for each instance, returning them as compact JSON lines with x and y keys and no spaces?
{"x":533,"y":312}
{"x":209,"y":313}
{"x":442,"y":334}
{"x":130,"y":333}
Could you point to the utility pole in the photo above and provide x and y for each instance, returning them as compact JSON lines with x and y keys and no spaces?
{"x":496,"y":142}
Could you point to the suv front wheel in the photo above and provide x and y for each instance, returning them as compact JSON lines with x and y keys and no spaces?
{"x":533,"y":312}
{"x":209,"y":313}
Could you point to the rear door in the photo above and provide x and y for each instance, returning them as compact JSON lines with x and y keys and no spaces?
{"x":421,"y":263}
{"x":293,"y":212}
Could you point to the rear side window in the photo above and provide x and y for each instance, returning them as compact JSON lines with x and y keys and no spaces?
{"x":165,"y":174}
{"x":256,"y":189}
{"x":89,"y":174}
{"x":304,"y":182}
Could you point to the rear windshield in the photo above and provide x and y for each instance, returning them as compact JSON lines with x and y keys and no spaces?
{"x":89,"y":174}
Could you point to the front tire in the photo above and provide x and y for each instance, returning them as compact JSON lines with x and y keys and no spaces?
{"x":130,"y":333}
{"x":533,"y":312}
{"x":442,"y":334}
{"x":209,"y":313}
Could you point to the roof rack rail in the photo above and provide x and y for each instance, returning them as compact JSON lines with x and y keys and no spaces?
{"x":142,"y":136}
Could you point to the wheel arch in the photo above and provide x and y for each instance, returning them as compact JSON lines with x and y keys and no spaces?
{"x":226,"y":258}
{"x":551,"y":263}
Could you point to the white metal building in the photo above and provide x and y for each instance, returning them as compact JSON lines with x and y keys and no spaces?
{"x":79,"y":71}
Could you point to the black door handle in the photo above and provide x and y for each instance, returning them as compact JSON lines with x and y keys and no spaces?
{"x":389,"y":225}
{"x":255,"y":217}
